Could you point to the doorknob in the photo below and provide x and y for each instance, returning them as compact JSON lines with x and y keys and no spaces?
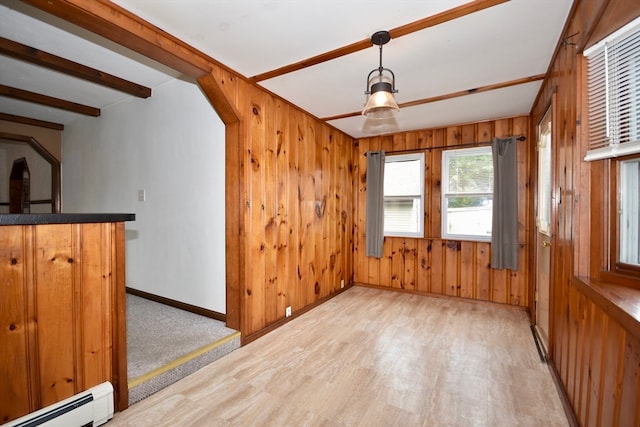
{"x":546,"y":243}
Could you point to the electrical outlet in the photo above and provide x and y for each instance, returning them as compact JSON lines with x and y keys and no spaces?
{"x":142,"y":195}
{"x":288,"y":311}
{"x":341,"y":283}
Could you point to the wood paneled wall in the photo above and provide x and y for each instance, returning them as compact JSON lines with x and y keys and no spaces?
{"x":431,"y":264}
{"x":289,"y":187}
{"x":595,"y":356}
{"x":293,"y":177}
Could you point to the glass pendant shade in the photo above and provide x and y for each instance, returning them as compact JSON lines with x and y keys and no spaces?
{"x":381,"y":87}
{"x":381,"y":103}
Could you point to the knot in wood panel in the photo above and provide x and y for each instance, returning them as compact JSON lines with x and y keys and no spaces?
{"x":454,"y":244}
{"x":255,"y":163}
{"x":320,"y":209}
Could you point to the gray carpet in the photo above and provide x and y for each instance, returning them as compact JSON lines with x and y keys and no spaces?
{"x":165,"y":344}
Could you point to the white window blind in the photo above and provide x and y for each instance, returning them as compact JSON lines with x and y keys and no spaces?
{"x":613,"y":92}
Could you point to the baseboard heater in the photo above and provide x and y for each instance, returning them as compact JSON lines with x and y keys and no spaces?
{"x":93,"y":407}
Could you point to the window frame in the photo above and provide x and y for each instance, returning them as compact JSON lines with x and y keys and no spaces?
{"x":445,"y":194}
{"x":393,"y":158}
{"x":605,"y":161}
{"x":617,"y":268}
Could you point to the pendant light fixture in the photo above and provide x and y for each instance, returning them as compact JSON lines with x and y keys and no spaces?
{"x":381,"y":85}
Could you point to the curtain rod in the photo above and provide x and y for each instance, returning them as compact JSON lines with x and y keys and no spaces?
{"x":468,"y":144}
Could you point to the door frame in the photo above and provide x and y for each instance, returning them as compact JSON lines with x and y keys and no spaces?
{"x":551,"y":108}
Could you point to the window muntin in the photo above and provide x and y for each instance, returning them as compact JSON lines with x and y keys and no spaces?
{"x":467,"y":194}
{"x":629,"y":213}
{"x":404,"y":195}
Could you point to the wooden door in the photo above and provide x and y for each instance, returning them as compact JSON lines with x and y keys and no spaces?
{"x":543,"y":230}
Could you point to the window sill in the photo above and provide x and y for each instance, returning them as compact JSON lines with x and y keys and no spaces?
{"x":467,"y":238}
{"x":621,"y":302}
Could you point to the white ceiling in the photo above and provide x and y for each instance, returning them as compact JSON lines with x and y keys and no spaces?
{"x":502,"y":43}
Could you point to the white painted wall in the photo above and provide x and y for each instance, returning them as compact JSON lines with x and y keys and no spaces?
{"x":171,"y":146}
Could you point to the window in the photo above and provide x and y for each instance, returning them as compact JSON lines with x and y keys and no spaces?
{"x":404,"y":195}
{"x":629,"y":213}
{"x":544,"y":174}
{"x":467,"y":194}
{"x":613,"y":93}
{"x":613,"y":112}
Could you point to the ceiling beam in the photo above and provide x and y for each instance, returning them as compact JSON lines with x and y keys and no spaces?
{"x":49,"y":101}
{"x":450,"y":95}
{"x":48,"y":60}
{"x":442,"y":17}
{"x":30,"y":121}
{"x":123,"y":27}
{"x":117,"y":24}
{"x":430,"y":21}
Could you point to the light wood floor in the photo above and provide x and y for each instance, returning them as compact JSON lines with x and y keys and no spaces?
{"x":371,"y":357}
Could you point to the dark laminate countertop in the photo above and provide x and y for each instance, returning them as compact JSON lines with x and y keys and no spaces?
{"x":63,"y":218}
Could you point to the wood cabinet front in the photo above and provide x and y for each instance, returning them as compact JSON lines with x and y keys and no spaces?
{"x":62,"y":313}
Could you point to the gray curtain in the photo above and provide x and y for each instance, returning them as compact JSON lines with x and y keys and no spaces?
{"x":504,"y":234}
{"x":375,"y":204}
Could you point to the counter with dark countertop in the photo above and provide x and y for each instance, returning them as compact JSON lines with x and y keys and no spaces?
{"x":63,"y":308}
{"x":64,"y":218}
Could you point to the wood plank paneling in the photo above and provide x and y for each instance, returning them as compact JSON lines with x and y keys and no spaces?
{"x":423,"y":276}
{"x":54,"y":311}
{"x":451,"y":271}
{"x":282,"y":242}
{"x":62,"y":310}
{"x":629,"y":407}
{"x":438,"y":272}
{"x":600,"y":364}
{"x":468,"y":284}
{"x":483,"y":266}
{"x":255,"y":311}
{"x":15,"y":394}
{"x":433,"y":265}
{"x":96,"y":306}
{"x":296,"y":191}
